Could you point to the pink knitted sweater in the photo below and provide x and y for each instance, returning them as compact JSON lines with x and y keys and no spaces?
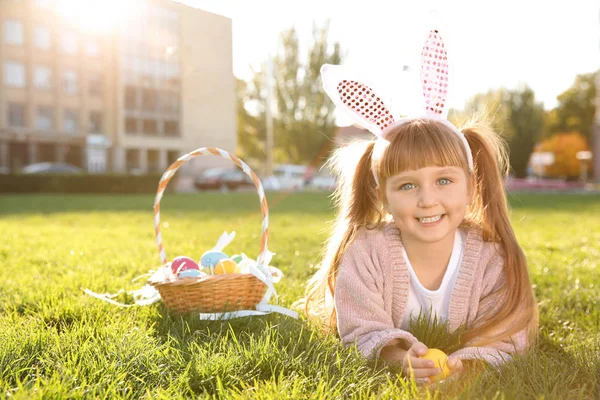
{"x":371,"y":293}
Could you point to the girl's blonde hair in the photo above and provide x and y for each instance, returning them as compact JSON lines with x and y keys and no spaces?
{"x":417,"y":144}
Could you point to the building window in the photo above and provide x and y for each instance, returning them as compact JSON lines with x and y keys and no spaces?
{"x":131,"y":126}
{"x":69,"y":82}
{"x":92,"y":49}
{"x":14,"y":74}
{"x":149,"y":99}
{"x":68,"y":42}
{"x":41,"y":37}
{"x":130,"y":98}
{"x":95,"y":123}
{"x":95,"y":83}
{"x":16,"y":115}
{"x":150,"y":127}
{"x":171,"y":128}
{"x":13,"y":32}
{"x":168,"y":101}
{"x":173,"y":75}
{"x":42,"y":78}
{"x":70,"y":120}
{"x":44,"y":120}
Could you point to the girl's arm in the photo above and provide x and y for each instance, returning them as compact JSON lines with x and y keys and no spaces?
{"x":361,"y":315}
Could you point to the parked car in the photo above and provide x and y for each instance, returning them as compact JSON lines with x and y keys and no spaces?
{"x":51,"y":168}
{"x":223,"y":179}
{"x":291,"y":177}
{"x":323,"y":181}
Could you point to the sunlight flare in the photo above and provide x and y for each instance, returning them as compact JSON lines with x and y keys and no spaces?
{"x":97,"y":17}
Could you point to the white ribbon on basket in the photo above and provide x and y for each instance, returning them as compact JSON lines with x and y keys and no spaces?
{"x":148,"y":295}
{"x":264,"y":274}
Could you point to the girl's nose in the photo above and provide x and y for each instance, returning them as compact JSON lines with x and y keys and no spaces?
{"x":428,"y":198}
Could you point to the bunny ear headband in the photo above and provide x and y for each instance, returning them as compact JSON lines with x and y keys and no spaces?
{"x":367,"y":109}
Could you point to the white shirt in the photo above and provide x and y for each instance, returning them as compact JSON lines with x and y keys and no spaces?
{"x":421,"y":299}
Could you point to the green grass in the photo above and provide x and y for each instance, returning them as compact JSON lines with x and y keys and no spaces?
{"x":56,"y":342}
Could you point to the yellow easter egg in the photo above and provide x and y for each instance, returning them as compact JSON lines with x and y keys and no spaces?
{"x":440,"y":359}
{"x":226,"y":266}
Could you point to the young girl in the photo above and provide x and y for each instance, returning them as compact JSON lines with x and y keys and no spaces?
{"x":423,"y":226}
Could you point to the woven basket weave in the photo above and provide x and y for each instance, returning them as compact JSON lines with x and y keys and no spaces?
{"x":215,"y":293}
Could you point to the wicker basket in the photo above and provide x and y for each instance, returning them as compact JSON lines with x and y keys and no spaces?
{"x":215,"y":293}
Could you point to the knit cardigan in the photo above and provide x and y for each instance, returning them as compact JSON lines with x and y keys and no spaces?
{"x":371,"y":294}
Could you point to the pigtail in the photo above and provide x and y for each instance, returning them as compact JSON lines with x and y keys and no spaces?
{"x":358,"y":205}
{"x":490,"y":211}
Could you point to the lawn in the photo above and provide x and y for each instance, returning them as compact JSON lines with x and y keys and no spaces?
{"x":57,"y":342}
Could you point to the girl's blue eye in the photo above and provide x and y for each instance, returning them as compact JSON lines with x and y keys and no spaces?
{"x":407,"y":186}
{"x":444,"y":181}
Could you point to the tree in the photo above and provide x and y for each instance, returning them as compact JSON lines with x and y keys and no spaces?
{"x":303,"y":120}
{"x":565,"y":147}
{"x":516,"y":116}
{"x":527,"y":122}
{"x":490,"y":107}
{"x":251,"y":129}
{"x":576,"y":109}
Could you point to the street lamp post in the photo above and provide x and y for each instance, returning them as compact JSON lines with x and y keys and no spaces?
{"x":596,"y":132}
{"x":269,"y":119}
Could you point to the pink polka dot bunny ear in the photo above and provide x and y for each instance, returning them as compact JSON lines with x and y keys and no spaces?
{"x":434,"y":75}
{"x":358,"y":100}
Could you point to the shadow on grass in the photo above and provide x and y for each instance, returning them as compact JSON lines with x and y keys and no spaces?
{"x":574,"y":203}
{"x":547,"y":369}
{"x":270,"y":348}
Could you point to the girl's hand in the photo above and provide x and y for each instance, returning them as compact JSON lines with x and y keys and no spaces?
{"x":456,"y":368}
{"x":421,"y":369}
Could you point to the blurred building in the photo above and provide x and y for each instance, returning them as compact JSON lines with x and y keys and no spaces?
{"x":129,"y":98}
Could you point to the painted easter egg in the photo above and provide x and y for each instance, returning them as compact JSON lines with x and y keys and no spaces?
{"x":237,"y":258}
{"x":190,"y":273}
{"x":440,"y":359}
{"x":211,"y":258}
{"x":226,"y":266}
{"x":244,"y":266}
{"x":183,"y":263}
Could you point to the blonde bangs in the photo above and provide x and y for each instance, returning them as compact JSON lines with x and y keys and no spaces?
{"x":418,"y":144}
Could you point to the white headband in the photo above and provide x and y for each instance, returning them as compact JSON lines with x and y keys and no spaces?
{"x":367,"y":109}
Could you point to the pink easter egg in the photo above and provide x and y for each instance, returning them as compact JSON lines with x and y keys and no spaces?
{"x":183,"y":263}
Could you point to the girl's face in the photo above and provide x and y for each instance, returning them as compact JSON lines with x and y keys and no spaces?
{"x":428,"y":204}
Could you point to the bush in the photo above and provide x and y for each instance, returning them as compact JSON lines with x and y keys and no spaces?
{"x":84,"y":183}
{"x":565,"y":147}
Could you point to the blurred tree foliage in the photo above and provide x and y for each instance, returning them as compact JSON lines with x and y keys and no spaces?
{"x":576,"y":108}
{"x":251,"y":128}
{"x":303,"y":117}
{"x":565,"y":147}
{"x":515,"y":115}
{"x":527,"y":119}
{"x":304,"y":123}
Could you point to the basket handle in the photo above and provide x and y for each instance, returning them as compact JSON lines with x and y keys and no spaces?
{"x":166,"y":177}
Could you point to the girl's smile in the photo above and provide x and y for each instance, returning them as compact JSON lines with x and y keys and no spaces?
{"x":430,"y":221}
{"x":428,"y":204}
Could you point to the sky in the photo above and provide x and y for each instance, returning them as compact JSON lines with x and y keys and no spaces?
{"x":508,"y":43}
